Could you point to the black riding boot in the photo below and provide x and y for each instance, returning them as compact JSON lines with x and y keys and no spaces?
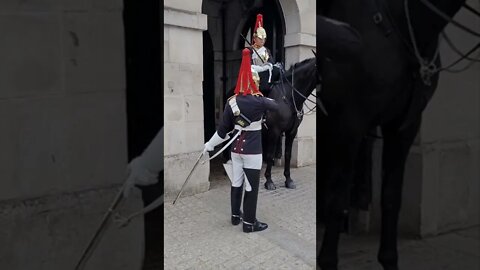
{"x":250,"y":223}
{"x":236,"y":202}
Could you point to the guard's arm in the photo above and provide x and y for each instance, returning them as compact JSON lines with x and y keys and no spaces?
{"x":270,"y":104}
{"x":221,"y":135}
{"x":144,"y":169}
{"x":267,"y":66}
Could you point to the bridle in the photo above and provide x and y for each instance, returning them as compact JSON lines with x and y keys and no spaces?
{"x":294,"y":90}
{"x":428,"y":68}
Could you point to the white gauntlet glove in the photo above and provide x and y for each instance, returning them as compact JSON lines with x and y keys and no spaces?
{"x":214,"y":141}
{"x":144,"y":169}
{"x":266,"y":66}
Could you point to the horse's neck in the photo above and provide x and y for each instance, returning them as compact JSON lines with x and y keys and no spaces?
{"x":426,"y":24}
{"x":304,"y":84}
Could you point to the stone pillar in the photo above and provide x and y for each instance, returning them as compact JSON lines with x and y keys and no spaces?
{"x":183,"y":71}
{"x":299,"y":43}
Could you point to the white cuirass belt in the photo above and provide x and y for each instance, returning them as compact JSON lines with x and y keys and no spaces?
{"x":257,"y":125}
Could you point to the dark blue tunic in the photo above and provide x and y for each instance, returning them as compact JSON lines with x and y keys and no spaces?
{"x":253,"y":107}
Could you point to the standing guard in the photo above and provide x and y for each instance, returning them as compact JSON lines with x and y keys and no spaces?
{"x":244,"y":113}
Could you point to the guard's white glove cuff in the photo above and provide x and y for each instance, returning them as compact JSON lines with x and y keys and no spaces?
{"x":214,"y":141}
{"x":138,"y":174}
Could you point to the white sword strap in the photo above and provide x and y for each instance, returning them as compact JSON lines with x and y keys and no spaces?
{"x":224,"y":147}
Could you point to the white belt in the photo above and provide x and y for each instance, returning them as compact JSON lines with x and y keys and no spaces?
{"x":257,"y":125}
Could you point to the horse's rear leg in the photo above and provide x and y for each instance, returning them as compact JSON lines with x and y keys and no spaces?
{"x":289,"y":136}
{"x":395,"y":151}
{"x":268,"y":174}
{"x":335,"y":170}
{"x":336,"y":214}
{"x":269,"y":158}
{"x":278,"y":148}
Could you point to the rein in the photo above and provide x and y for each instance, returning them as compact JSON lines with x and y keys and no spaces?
{"x":429,"y":68}
{"x":299,"y":112}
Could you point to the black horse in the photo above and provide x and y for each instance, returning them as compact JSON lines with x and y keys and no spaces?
{"x":291,"y":91}
{"x":378,"y":86}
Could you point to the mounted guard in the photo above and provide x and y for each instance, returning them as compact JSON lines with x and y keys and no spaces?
{"x":262,"y":60}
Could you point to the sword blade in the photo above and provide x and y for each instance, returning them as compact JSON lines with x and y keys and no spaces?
{"x":253,"y":48}
{"x":99,"y":232}
{"x":188,"y":177}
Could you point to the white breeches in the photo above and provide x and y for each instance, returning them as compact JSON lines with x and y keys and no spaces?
{"x":244,"y":161}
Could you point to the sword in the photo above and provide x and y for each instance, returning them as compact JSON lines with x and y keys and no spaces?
{"x":253,"y":48}
{"x":101,"y":229}
{"x":188,"y":177}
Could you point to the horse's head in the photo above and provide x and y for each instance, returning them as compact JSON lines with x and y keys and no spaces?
{"x":302,"y":78}
{"x":428,"y":18}
{"x":304,"y":73}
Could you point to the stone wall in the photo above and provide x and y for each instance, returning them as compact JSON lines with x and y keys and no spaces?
{"x":183,"y":71}
{"x":300,"y":40}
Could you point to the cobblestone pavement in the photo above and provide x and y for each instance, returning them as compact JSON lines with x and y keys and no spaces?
{"x":198,"y":233}
{"x":459,"y":250}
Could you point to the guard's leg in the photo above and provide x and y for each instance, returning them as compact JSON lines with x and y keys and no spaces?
{"x":236,"y":202}
{"x":237,"y":188}
{"x":253,"y":164}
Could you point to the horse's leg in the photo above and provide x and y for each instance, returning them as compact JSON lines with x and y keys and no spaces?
{"x":278,"y":148}
{"x":289,"y":136}
{"x":362,"y":186}
{"x":335,"y":169}
{"x":395,"y":151}
{"x":272,"y":136}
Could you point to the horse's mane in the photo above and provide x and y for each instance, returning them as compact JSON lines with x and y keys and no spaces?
{"x":295,"y":66}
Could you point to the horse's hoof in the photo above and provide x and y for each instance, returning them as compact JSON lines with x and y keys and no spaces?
{"x":270,"y":186}
{"x":290,"y":184}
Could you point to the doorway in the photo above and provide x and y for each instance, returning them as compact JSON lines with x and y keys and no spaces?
{"x":144,"y":102}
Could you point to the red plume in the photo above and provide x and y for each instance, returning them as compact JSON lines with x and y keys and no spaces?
{"x":258,"y":23}
{"x":245,"y":83}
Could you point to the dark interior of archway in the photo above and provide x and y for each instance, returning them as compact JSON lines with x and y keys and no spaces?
{"x":144,"y":57}
{"x":208,"y":86}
